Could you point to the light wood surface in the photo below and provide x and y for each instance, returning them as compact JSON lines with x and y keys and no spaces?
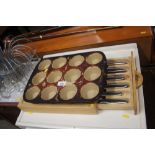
{"x":58,"y":108}
{"x":134,"y":91}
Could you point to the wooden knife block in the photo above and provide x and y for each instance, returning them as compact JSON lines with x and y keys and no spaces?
{"x":132,"y":78}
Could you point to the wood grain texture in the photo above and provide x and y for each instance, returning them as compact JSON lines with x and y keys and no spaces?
{"x":142,"y":35}
{"x":58,"y":108}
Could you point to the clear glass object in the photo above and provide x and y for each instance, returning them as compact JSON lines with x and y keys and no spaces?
{"x":15,"y":64}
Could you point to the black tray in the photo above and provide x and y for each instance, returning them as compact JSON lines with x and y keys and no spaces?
{"x":101,"y":81}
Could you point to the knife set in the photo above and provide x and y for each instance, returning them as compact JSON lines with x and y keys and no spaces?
{"x":81,"y":83}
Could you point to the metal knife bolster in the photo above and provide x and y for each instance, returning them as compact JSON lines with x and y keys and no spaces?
{"x":116,"y":70}
{"x":116,"y":78}
{"x":113,"y":101}
{"x":112,"y":94}
{"x":117,"y":63}
{"x":113,"y":85}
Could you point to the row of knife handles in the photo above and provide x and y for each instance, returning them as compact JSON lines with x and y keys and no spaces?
{"x":118,"y":83}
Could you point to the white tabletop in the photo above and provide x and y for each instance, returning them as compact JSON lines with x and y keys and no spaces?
{"x":105,"y":118}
